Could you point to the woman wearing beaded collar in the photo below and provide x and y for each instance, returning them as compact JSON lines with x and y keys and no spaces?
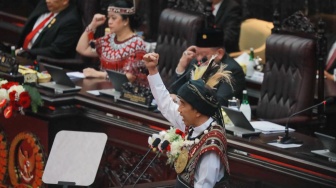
{"x":204,"y":163}
{"x":121,"y":49}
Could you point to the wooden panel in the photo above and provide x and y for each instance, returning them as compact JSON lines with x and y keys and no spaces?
{"x":26,"y":146}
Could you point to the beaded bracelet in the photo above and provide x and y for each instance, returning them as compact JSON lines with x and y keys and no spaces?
{"x":91,"y":32}
{"x":89,"y":29}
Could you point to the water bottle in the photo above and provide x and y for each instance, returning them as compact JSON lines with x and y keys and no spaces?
{"x":250,"y":64}
{"x":245,"y":106}
{"x":13,"y":51}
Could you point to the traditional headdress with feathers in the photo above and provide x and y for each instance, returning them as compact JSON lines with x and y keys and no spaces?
{"x":212,"y":73}
{"x":199,"y":91}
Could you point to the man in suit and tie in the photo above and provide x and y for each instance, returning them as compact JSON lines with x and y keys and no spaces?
{"x":52,"y":30}
{"x":331,"y":57}
{"x":228,"y":16}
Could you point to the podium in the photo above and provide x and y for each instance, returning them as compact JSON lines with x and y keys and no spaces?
{"x":74,"y":158}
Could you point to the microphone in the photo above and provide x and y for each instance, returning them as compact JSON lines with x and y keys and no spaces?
{"x":155,"y":143}
{"x":164,"y":145}
{"x":289,"y":140}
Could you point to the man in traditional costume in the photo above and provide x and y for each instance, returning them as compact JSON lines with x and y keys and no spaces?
{"x":203,"y":163}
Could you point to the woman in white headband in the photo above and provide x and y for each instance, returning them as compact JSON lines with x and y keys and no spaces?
{"x":121,"y":49}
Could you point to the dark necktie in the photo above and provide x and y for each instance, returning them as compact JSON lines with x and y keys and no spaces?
{"x":31,"y":35}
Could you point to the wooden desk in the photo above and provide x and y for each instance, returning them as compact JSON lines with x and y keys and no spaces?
{"x":252,"y":162}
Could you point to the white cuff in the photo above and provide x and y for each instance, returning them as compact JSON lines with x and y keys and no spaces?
{"x":179,"y":73}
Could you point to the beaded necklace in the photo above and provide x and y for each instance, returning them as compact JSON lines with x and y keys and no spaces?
{"x":183,"y":157}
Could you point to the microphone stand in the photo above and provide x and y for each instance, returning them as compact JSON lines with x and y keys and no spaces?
{"x":290,"y":140}
{"x":146,"y":168}
{"x":164,"y":145}
{"x":154,"y":144}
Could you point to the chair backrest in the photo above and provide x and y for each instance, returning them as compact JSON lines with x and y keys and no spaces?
{"x":87,"y":9}
{"x":289,"y":76}
{"x":290,"y":72}
{"x":177,"y":30}
{"x":253,"y":33}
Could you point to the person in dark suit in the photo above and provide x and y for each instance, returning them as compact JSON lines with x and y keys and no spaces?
{"x":330,"y":60}
{"x":228,"y":16}
{"x":208,"y":43}
{"x":59,"y":32}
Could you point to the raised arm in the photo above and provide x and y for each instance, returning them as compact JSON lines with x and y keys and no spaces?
{"x":83,"y":46}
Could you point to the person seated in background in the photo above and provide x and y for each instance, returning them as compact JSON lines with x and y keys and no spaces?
{"x":52,"y":30}
{"x":197,"y":113}
{"x":331,"y":57}
{"x":228,"y":16}
{"x":209,"y":42}
{"x":122,"y":49}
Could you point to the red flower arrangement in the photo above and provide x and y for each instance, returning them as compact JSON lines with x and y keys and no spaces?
{"x":15,"y":97}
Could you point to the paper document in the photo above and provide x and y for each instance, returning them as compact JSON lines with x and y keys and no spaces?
{"x":94,"y":92}
{"x":279,"y":145}
{"x":257,"y":76}
{"x":267,"y":127}
{"x":243,"y":58}
{"x":75,"y":75}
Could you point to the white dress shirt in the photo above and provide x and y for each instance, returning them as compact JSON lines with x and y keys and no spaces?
{"x":331,"y":52}
{"x":216,"y":7}
{"x":209,"y":169}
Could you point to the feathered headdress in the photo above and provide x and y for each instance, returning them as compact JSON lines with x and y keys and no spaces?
{"x":212,"y":73}
{"x":199,"y":91}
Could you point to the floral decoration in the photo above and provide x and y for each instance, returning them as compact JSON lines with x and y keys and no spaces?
{"x":177,"y":140}
{"x":15,"y":98}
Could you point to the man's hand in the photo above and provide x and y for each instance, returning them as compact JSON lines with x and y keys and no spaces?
{"x":185,"y":59}
{"x":25,"y":54}
{"x":151,"y":61}
{"x":328,"y":76}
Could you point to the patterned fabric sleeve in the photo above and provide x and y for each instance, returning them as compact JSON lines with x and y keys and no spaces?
{"x":135,"y":65}
{"x":98,"y":44}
